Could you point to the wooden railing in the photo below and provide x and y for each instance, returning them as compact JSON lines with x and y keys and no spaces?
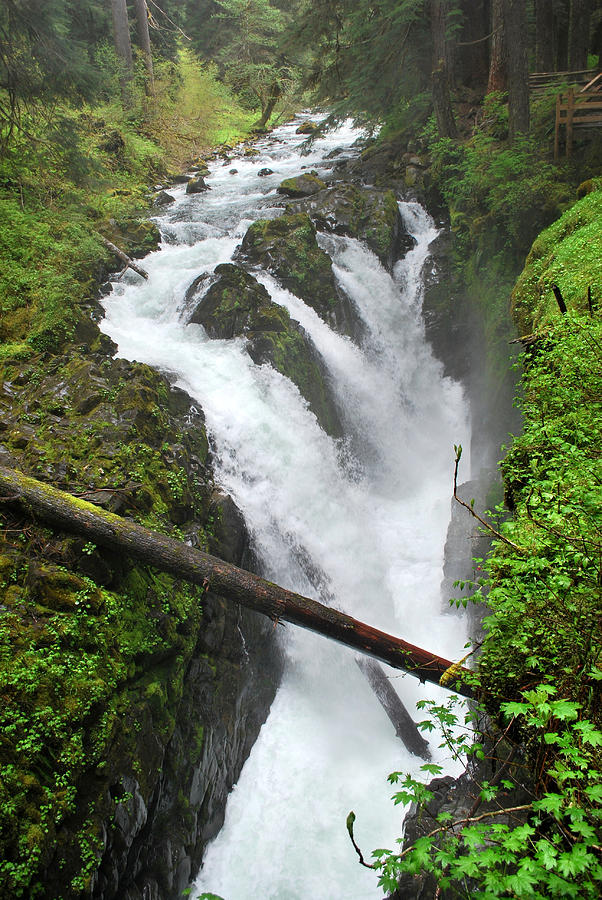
{"x":581,"y":109}
{"x":541,"y":81}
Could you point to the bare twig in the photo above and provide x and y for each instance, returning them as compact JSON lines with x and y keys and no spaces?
{"x":475,"y":515}
{"x":350,"y":821}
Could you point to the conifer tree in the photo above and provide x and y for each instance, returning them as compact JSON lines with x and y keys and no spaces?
{"x":144,"y":43}
{"x":123,"y":47}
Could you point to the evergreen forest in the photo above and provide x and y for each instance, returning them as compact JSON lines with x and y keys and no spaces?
{"x":112,"y":670}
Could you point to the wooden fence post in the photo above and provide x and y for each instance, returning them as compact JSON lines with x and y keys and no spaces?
{"x":569,"y":121}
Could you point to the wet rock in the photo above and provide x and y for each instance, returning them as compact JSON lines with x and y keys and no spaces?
{"x":366,"y":214}
{"x":307,"y":128}
{"x":233,"y":304}
{"x":263,"y":172}
{"x":162,"y":198}
{"x":180,"y":179}
{"x":301,"y":186}
{"x":233,"y":172}
{"x":413,"y":177}
{"x":135,"y":236}
{"x":165,"y":723}
{"x":196,"y":185}
{"x":288,"y":248}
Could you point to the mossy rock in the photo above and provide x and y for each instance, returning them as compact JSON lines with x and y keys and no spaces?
{"x":234,"y":304}
{"x":301,"y":186}
{"x":288,"y":248}
{"x":231,"y":302}
{"x":197,"y":185}
{"x":568,"y":254}
{"x":102,"y":672}
{"x":363,"y":213}
{"x":307,"y":128}
{"x":135,"y":236}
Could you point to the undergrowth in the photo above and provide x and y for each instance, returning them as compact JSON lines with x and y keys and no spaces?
{"x":70,"y":175}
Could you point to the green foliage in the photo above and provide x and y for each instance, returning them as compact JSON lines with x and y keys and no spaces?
{"x":576,"y":236}
{"x":547,"y":847}
{"x":72,"y":661}
{"x":69,"y":177}
{"x":490,"y":186}
{"x":38,"y":37}
{"x":367,"y":57}
{"x":544,"y":606}
{"x":245,"y":39}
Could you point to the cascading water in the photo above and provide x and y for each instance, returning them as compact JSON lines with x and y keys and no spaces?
{"x":358,"y":523}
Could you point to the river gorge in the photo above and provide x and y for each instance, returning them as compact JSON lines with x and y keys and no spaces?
{"x":356,"y":517}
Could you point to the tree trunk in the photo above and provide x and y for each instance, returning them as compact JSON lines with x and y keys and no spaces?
{"x":60,"y":509}
{"x":515,"y":30}
{"x":441,"y":71}
{"x":125,"y":259}
{"x":561,"y":26}
{"x":123,"y":48}
{"x":498,"y":67}
{"x":579,"y":33}
{"x":544,"y":36}
{"x":145,"y":44}
{"x":404,"y":725}
{"x":471,"y":57}
{"x":268,"y":109}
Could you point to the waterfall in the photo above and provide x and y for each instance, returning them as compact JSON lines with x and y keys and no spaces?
{"x":358,"y":522}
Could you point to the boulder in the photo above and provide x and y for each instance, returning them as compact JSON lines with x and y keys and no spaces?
{"x":263,"y":172}
{"x":162,"y":198}
{"x":288,"y":248}
{"x":307,"y":128}
{"x":301,"y":186}
{"x":364,"y":213}
{"x":233,"y":304}
{"x":196,"y":185}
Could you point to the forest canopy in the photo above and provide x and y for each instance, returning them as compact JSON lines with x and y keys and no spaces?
{"x":374,"y":59}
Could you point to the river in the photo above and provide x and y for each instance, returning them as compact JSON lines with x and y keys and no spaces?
{"x":358,"y":522}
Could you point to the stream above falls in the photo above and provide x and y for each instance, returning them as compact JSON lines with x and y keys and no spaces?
{"x":358,"y":521}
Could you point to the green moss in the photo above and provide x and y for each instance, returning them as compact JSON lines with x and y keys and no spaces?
{"x":568,"y":254}
{"x":301,"y":185}
{"x":288,"y":246}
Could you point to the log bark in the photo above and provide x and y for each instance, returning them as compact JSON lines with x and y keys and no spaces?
{"x":404,"y":725}
{"x":62,"y":510}
{"x":128,"y":263}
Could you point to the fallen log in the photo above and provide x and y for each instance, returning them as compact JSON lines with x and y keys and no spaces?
{"x":125,"y":259}
{"x":56,"y":507}
{"x":404,"y":725}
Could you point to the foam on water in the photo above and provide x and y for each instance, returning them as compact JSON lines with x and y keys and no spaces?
{"x":370,"y":514}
